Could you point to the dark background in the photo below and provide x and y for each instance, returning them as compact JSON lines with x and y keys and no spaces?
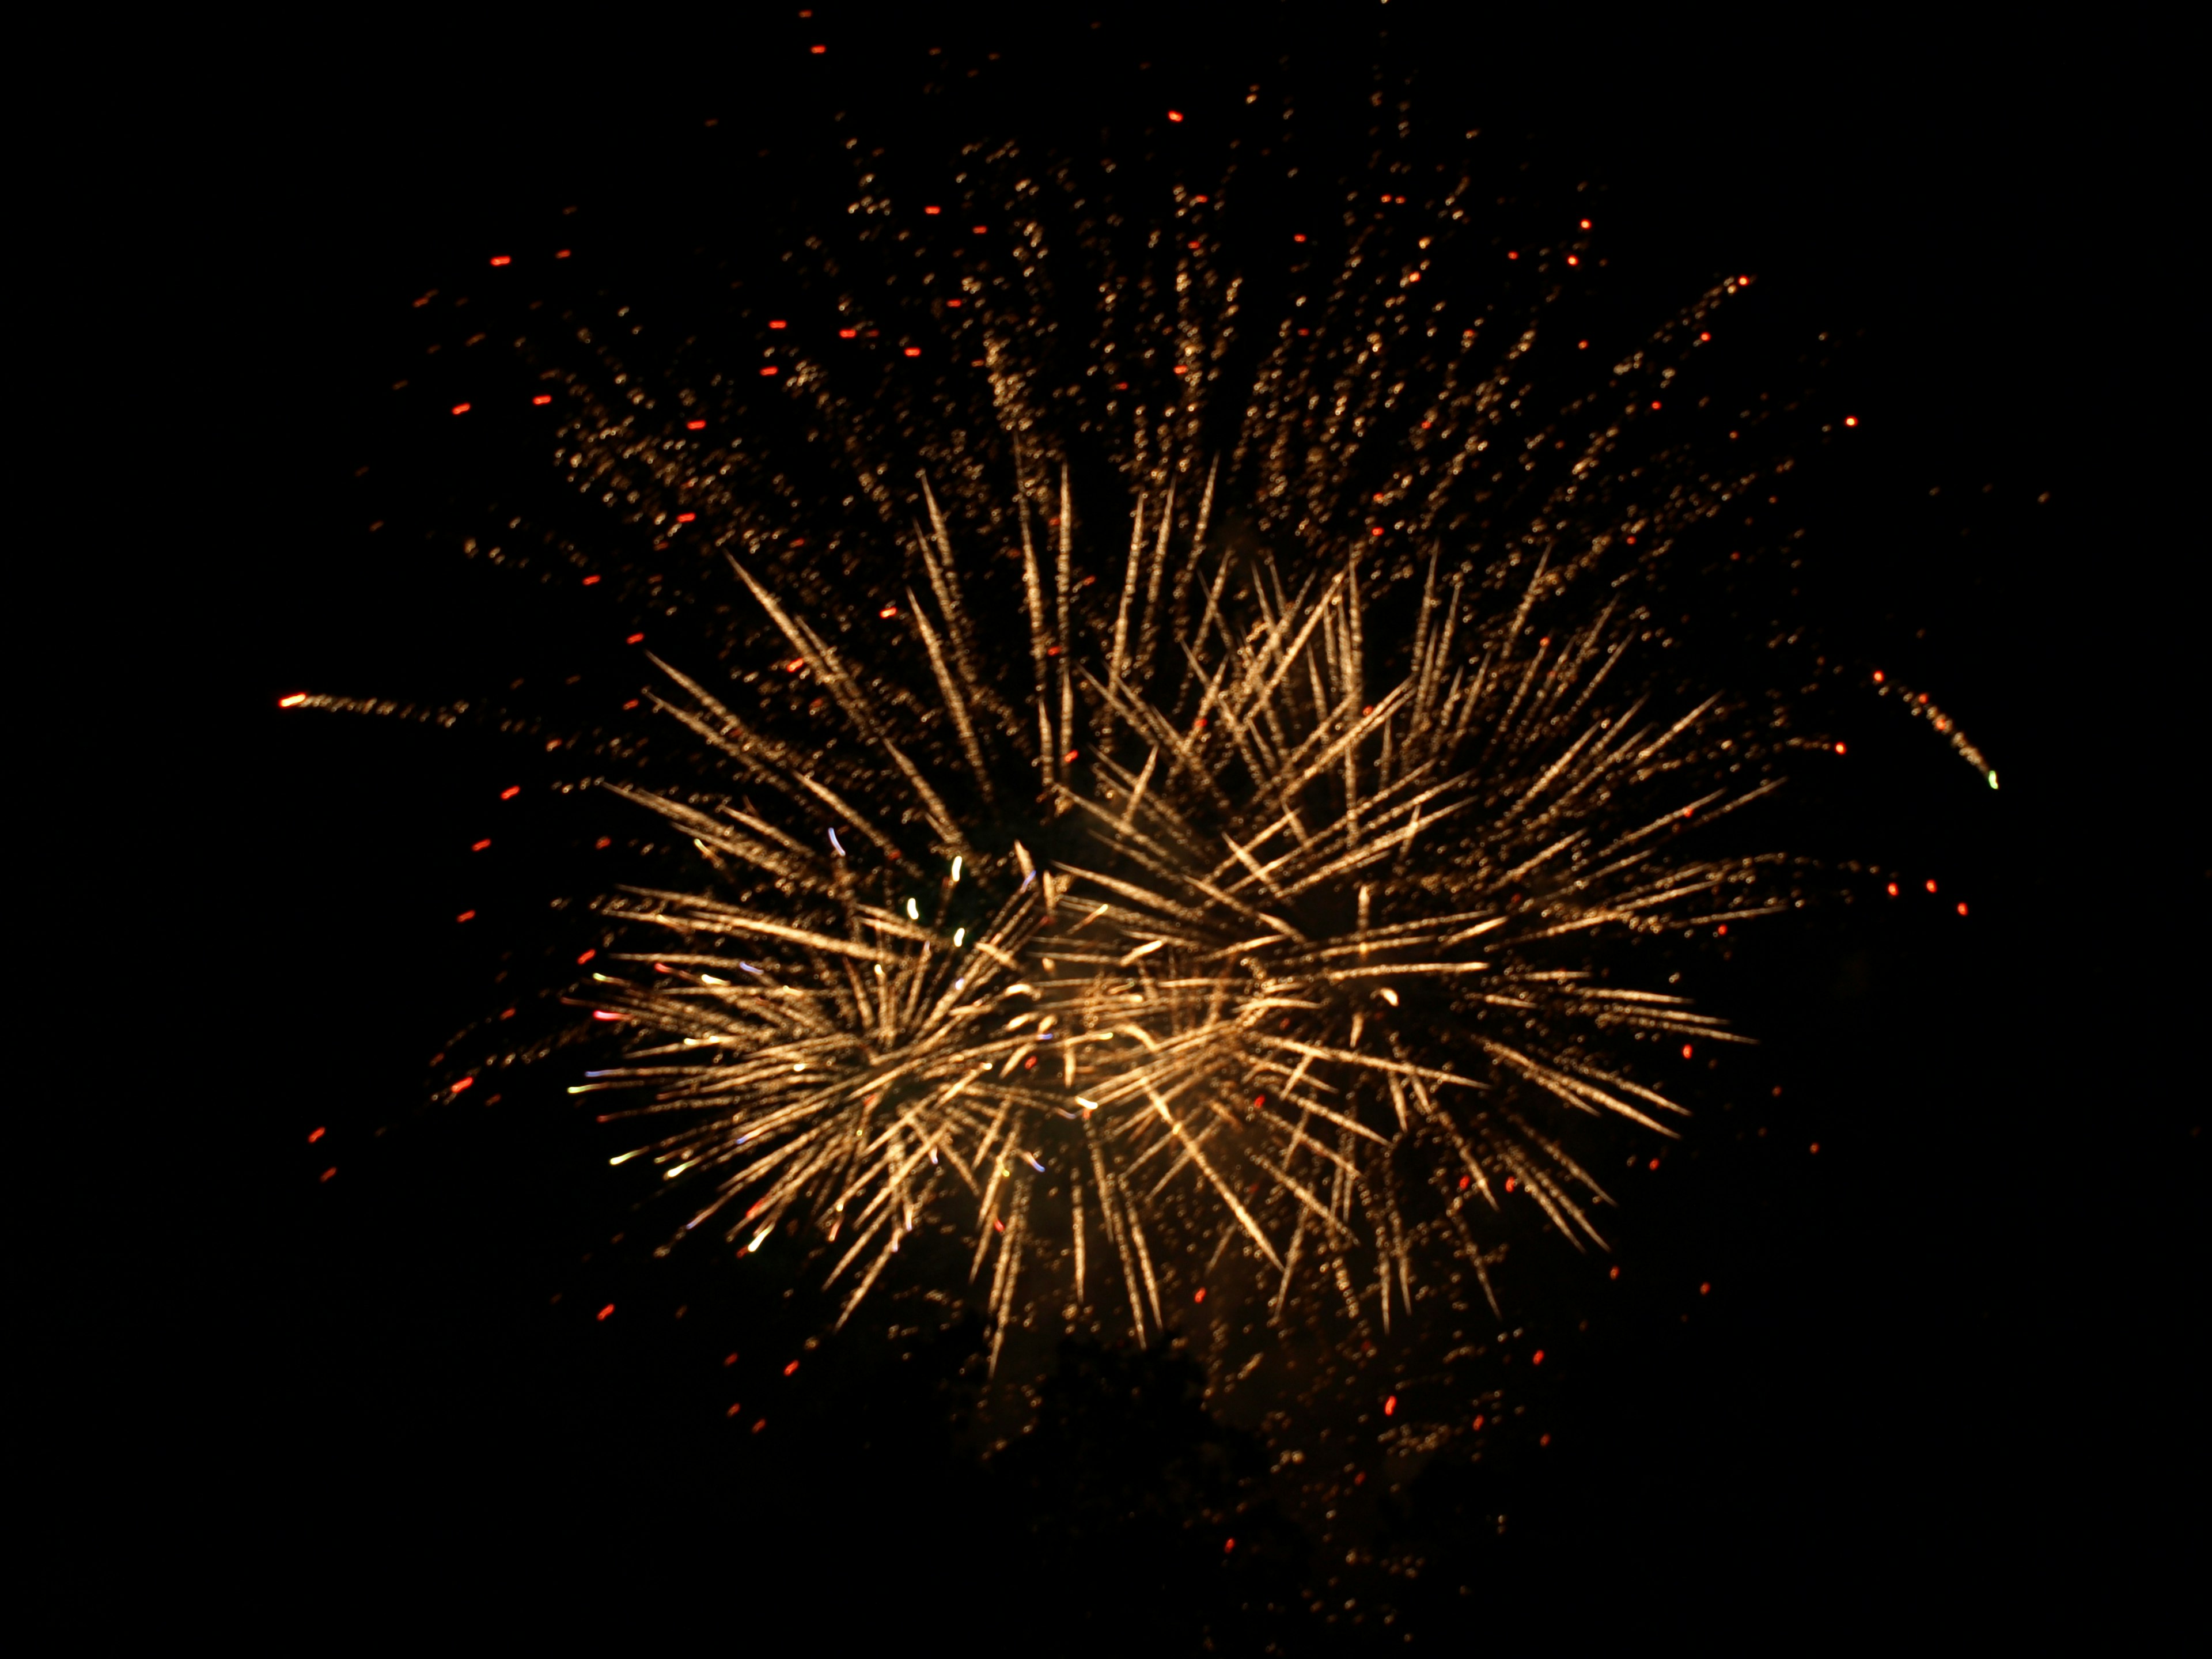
{"x":1945,"y":1362}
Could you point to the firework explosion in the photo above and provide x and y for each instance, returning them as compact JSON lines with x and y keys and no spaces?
{"x":1172,"y":797}
{"x":1292,"y":987}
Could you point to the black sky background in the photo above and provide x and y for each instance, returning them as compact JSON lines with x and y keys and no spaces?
{"x":1947,"y":1363}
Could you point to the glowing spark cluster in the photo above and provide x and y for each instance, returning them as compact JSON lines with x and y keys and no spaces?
{"x":1221,"y":890}
{"x":1301,"y":976}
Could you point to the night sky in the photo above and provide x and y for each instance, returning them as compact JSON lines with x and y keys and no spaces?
{"x":1914,"y":1367}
